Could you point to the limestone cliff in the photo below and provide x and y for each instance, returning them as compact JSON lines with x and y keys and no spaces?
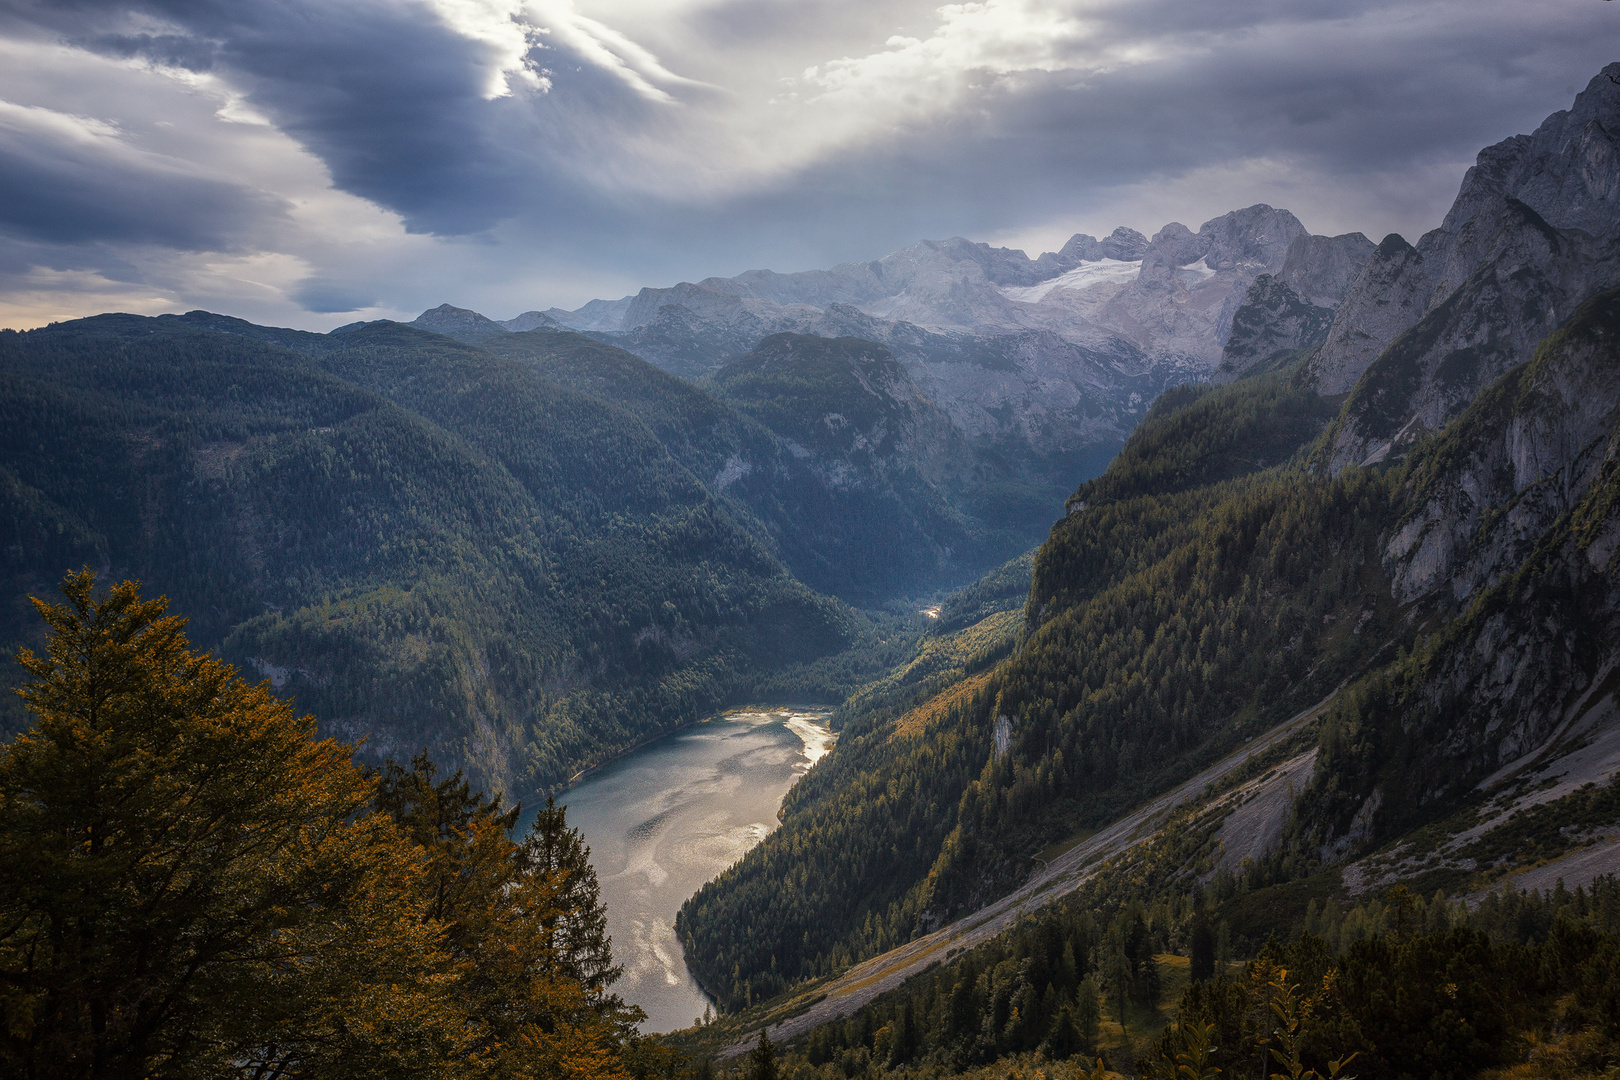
{"x":1534,"y":231}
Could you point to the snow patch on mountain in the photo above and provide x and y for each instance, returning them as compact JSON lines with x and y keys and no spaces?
{"x":1103,"y":272}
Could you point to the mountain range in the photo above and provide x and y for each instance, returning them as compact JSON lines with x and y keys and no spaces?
{"x":1045,"y":363}
{"x":1270,"y":572}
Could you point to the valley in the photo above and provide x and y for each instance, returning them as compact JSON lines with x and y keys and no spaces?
{"x":1204,"y":646}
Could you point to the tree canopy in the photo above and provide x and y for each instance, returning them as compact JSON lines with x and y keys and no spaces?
{"x":198,"y":885}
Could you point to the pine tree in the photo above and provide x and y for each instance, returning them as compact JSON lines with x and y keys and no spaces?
{"x":762,"y":1059}
{"x":555,"y":852}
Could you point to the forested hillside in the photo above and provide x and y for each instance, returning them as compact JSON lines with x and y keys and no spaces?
{"x":427,"y":544}
{"x":1202,"y":615}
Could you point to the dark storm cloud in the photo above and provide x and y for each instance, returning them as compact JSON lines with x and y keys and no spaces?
{"x":66,"y":181}
{"x":173,"y":50}
{"x":389,"y":98}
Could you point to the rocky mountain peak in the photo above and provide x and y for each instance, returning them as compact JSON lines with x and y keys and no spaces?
{"x":1255,"y":239}
{"x":531,"y":320}
{"x":1320,"y":269}
{"x":1123,"y":245}
{"x":1565,"y":171}
{"x":1174,"y":246}
{"x":459,"y":323}
{"x":1257,"y":236}
{"x":1534,"y":231}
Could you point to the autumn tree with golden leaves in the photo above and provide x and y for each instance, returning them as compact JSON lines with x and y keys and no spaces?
{"x":195,"y":885}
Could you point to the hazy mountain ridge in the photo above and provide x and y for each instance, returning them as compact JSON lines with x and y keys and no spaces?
{"x":1048,"y":361}
{"x":830,"y":451}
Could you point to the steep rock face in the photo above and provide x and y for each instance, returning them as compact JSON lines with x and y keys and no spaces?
{"x":1533,"y":232}
{"x":1386,"y":297}
{"x":1508,"y":539}
{"x":723,"y":303}
{"x":596,"y":315}
{"x":1522,"y":456}
{"x":1294,"y":308}
{"x":1531,"y":657}
{"x":1320,"y":269}
{"x":1529,"y":278}
{"x":1272,"y":319}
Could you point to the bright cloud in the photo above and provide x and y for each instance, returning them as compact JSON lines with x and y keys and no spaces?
{"x":504,"y":29}
{"x":606,"y":47}
{"x":996,"y":37}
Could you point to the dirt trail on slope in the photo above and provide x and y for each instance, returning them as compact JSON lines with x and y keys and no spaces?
{"x":1066,"y":873}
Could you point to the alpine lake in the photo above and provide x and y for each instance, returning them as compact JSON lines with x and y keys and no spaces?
{"x":672,"y":815}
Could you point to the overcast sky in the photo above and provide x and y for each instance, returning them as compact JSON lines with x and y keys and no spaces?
{"x":313,"y":162}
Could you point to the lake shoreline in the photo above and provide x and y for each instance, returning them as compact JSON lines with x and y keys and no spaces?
{"x":641,"y":744}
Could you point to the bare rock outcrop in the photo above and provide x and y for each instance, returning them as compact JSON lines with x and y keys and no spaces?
{"x":1534,"y":231}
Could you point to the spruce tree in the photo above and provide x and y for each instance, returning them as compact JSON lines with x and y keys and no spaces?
{"x":555,"y":852}
{"x":762,"y":1059}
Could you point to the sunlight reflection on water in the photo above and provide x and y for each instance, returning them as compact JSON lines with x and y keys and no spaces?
{"x":673,"y":815}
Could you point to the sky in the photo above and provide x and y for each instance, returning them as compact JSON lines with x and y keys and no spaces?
{"x":311,"y":163}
